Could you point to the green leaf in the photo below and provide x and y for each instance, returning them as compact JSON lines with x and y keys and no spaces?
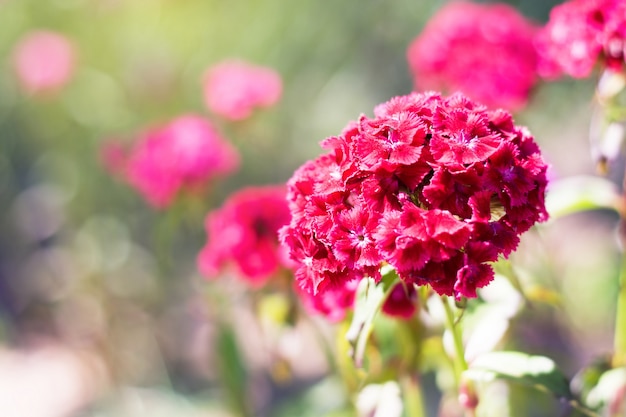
{"x":232,"y":370}
{"x":581,"y":193}
{"x":538,"y":372}
{"x":369,"y":299}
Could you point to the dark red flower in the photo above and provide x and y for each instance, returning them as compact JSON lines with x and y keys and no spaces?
{"x":414,"y":236}
{"x":451,"y":189}
{"x":317,"y":268}
{"x":401,"y":302}
{"x":352,"y":240}
{"x":462,"y":136}
{"x":396,"y":140}
{"x":436,"y":187}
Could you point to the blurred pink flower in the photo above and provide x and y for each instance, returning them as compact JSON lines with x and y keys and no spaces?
{"x":234,"y":88}
{"x":186,"y":153}
{"x":333,"y":304}
{"x":244,"y":233}
{"x":483,"y":51}
{"x":579,"y":34}
{"x":113,"y":156}
{"x":44,"y":61}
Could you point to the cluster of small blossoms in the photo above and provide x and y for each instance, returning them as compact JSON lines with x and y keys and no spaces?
{"x":581,"y":33}
{"x":184,"y":154}
{"x":484,"y":51}
{"x":243,"y":233}
{"x":437,"y":187}
{"x":234,"y":88}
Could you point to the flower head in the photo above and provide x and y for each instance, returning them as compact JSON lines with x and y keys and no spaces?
{"x":184,"y":154}
{"x":234,"y":88}
{"x":484,"y":51}
{"x":437,"y":187}
{"x":44,"y":61}
{"x":244,"y":233}
{"x":581,"y":33}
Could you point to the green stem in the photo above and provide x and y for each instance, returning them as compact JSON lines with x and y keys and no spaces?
{"x":413,"y":398}
{"x":459,"y":362}
{"x":619,"y":354}
{"x":583,"y":410}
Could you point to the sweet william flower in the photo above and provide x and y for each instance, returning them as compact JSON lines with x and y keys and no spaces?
{"x":483,"y":50}
{"x":184,"y":154}
{"x":581,"y":34}
{"x":233,"y":89}
{"x":451,"y":189}
{"x":44,"y":61}
{"x":243,"y":233}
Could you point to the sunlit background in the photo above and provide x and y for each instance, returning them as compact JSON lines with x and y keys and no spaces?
{"x":102,"y":309}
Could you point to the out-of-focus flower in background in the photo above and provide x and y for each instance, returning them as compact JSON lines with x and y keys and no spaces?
{"x":580,"y":34}
{"x":44,"y":61}
{"x":333,"y":304}
{"x":243,"y":233}
{"x":234,"y":88}
{"x":484,"y":51}
{"x":184,"y":154}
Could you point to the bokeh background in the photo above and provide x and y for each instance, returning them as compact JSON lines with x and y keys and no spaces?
{"x":102,"y":310}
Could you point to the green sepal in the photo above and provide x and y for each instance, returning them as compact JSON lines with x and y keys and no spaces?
{"x":369,"y":299}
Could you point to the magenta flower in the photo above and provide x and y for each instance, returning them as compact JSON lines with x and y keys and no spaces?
{"x":581,"y":33}
{"x":484,"y":51}
{"x":243,"y":233}
{"x":451,"y":188}
{"x":401,"y":302}
{"x":184,"y":154}
{"x":44,"y":61}
{"x":333,"y":303}
{"x":233,"y":88}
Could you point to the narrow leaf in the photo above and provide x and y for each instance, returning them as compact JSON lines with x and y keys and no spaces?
{"x":231,"y":367}
{"x":368,"y":301}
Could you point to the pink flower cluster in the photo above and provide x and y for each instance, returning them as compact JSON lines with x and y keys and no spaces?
{"x":44,"y":61}
{"x":484,"y":51}
{"x":437,"y":187}
{"x":234,"y":88}
{"x":244,"y":234}
{"x":185,"y":153}
{"x":579,"y":34}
